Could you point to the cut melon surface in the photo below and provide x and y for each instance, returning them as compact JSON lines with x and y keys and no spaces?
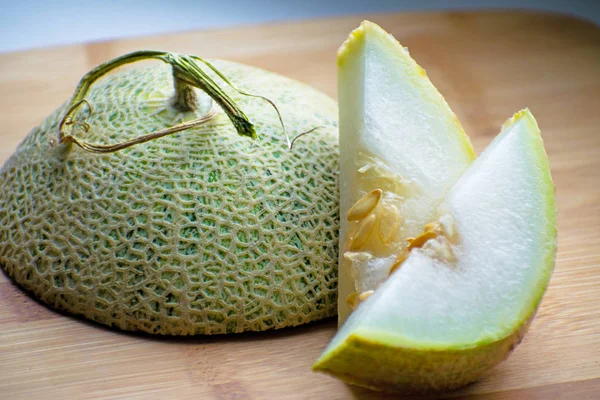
{"x":399,"y":143}
{"x":460,"y":303}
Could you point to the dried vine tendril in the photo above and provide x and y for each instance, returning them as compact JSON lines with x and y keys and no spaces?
{"x":187,"y":74}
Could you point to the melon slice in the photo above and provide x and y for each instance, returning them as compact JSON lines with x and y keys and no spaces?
{"x":401,"y":150}
{"x":463,"y":298}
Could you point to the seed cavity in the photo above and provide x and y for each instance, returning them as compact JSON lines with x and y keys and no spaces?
{"x":364,"y":206}
{"x":436,"y":240}
{"x":363,"y":232}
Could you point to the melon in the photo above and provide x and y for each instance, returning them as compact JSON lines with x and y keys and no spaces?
{"x":445,"y":260}
{"x":399,"y":142}
{"x":200,"y":232}
{"x":462,"y":299}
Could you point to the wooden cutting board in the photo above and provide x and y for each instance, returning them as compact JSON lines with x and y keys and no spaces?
{"x":488,"y":65}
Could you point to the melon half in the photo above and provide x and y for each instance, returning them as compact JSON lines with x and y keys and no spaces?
{"x":200,"y":232}
{"x":460,"y":293}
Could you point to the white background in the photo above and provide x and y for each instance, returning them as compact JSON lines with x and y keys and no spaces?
{"x":29,"y":24}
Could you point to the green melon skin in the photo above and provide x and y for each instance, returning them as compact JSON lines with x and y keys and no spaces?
{"x":200,"y":232}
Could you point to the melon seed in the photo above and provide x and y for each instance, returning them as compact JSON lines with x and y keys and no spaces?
{"x":420,"y":240}
{"x":388,"y":231}
{"x":364,"y":205}
{"x":364,"y":295}
{"x":431,"y":231}
{"x":365,"y":227}
{"x":352,"y":300}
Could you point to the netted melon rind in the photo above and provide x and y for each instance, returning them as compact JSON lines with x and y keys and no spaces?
{"x":201,"y":232}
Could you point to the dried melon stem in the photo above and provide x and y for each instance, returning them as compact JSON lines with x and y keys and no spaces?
{"x":187,"y":74}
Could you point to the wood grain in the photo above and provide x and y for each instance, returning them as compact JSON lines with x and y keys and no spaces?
{"x":488,"y":65}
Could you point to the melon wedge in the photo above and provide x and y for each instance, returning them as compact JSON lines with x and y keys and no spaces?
{"x":461,"y":302}
{"x":399,"y":143}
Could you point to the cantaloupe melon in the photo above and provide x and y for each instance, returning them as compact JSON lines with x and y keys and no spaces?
{"x":200,"y":232}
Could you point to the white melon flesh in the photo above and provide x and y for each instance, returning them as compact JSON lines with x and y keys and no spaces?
{"x":438,"y":324}
{"x":397,"y":134}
